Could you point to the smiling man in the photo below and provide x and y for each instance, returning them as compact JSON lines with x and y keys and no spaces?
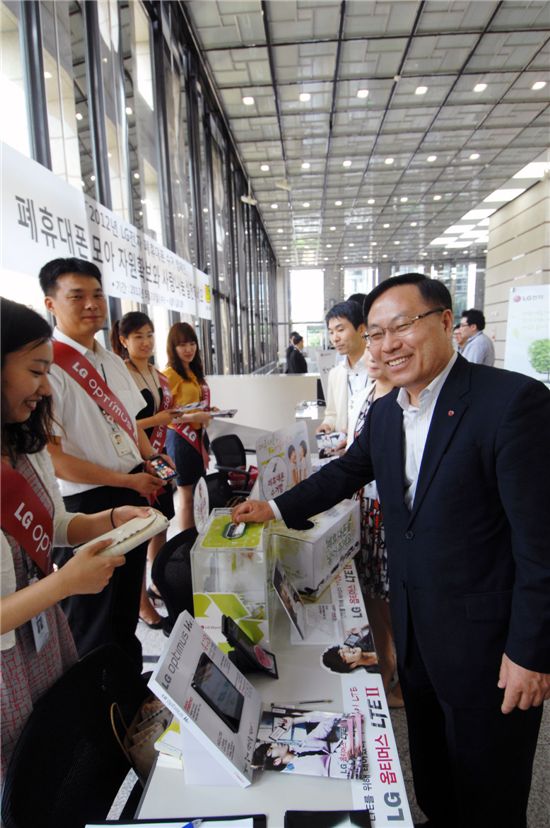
{"x":460,"y":453}
{"x":97,"y":452}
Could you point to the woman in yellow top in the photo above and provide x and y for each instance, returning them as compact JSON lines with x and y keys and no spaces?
{"x":185,"y":443}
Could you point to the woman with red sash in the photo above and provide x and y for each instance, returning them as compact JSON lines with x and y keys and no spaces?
{"x":133,"y":339}
{"x":185,"y":442}
{"x":36,"y":645}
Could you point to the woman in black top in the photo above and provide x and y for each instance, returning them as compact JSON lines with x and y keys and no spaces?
{"x":295,"y":360}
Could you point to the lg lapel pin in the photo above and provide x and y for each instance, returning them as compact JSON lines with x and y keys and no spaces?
{"x":450,"y":413}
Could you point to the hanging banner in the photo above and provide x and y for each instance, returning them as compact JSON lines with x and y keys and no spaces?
{"x":528,"y":332}
{"x":45,"y":218}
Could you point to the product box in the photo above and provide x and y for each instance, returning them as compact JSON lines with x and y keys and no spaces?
{"x":231,"y":571}
{"x":313,"y":557}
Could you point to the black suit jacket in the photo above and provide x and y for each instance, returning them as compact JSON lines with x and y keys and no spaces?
{"x":470,"y":563}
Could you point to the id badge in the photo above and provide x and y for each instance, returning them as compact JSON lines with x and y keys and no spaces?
{"x":120,"y":444}
{"x":40,"y":630}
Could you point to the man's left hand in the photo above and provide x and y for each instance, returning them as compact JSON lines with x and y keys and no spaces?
{"x":522,"y":688}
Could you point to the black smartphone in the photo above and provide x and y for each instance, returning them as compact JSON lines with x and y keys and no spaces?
{"x":161,"y":468}
{"x":254,"y":655}
{"x":218,"y":692}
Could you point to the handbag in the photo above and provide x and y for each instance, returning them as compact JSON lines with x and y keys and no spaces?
{"x":137,"y":740}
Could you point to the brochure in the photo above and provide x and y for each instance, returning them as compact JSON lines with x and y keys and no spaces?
{"x":217,"y":707}
{"x":311,"y":742}
{"x":284,"y":459}
{"x":289,"y":598}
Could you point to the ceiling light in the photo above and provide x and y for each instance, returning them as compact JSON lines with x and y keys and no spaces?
{"x":403,"y":199}
{"x":362,"y":93}
{"x":445,"y":253}
{"x":359,"y":226}
{"x":264,"y":167}
{"x":346,"y":163}
{"x":370,"y":201}
{"x":248,"y":100}
{"x":129,"y":110}
{"x":345,"y":258}
{"x":329,"y":245}
{"x":280,"y":230}
{"x":397,"y":242}
{"x":287,"y":260}
{"x":205,"y":209}
{"x":443,"y":240}
{"x":306,"y":165}
{"x":389,"y":160}
{"x":459,"y":244}
{"x":373,"y":244}
{"x":305,"y":97}
{"x":49,"y":76}
{"x":413,"y":223}
{"x":385,"y":226}
{"x":437,"y":198}
{"x":480,"y":87}
{"x":79,"y":116}
{"x":431,"y":158}
{"x":537,"y":169}
{"x":284,"y":247}
{"x":474,"y":156}
{"x":337,"y":203}
{"x":333,"y":227}
{"x":274,"y":206}
{"x":538,"y":85}
{"x":504,"y":195}
{"x":420,"y":90}
{"x":351,"y":244}
{"x":92,"y":178}
{"x":384,"y":255}
{"x":136,"y":175}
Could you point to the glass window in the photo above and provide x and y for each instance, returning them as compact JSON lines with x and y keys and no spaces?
{"x":359,"y":280}
{"x":306,"y":299}
{"x":14,"y":130}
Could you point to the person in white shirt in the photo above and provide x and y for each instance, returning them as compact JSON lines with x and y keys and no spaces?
{"x":475,"y":346}
{"x":100,"y":459}
{"x":460,"y":455}
{"x":349,"y":378}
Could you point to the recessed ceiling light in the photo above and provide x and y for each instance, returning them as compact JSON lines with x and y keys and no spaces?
{"x":373,"y":244}
{"x":306,"y":165}
{"x":437,"y":198}
{"x":403,"y":199}
{"x":370,"y":201}
{"x":136,"y":175}
{"x":420,"y":90}
{"x":474,"y":156}
{"x":346,"y":163}
{"x":504,"y":195}
{"x":385,"y":226}
{"x":329,"y":245}
{"x":79,"y":116}
{"x":431,"y":158}
{"x":305,"y":97}
{"x":480,"y":87}
{"x":445,"y":253}
{"x":274,"y":206}
{"x":280,"y":230}
{"x":397,"y":242}
{"x":351,"y":244}
{"x":264,"y":167}
{"x":384,"y":255}
{"x":362,"y":93}
{"x":333,"y":227}
{"x":284,"y":247}
{"x":413,"y":223}
{"x":287,"y":260}
{"x":92,"y":178}
{"x":129,"y":110}
{"x":365,"y":257}
{"x":345,"y":258}
{"x":389,"y":160}
{"x":205,"y":209}
{"x":326,"y":258}
{"x":248,"y":100}
{"x":337,"y":203}
{"x":359,"y":226}
{"x":538,"y":85}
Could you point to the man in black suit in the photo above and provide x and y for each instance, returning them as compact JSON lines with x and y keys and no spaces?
{"x":461,"y":454}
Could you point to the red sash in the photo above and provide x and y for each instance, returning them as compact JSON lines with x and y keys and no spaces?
{"x":195,"y":437}
{"x":26,"y":518}
{"x":84,"y":373}
{"x":158,"y":437}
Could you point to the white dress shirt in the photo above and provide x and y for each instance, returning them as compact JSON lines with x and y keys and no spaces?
{"x":480,"y":349}
{"x":416,"y":424}
{"x":84,"y":430}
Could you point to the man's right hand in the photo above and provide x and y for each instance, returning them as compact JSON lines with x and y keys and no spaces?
{"x":252,"y":511}
{"x":145,"y":484}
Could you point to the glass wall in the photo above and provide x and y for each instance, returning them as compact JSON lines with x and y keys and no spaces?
{"x":129,"y":120}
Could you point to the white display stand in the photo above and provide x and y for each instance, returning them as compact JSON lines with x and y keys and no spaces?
{"x":301,"y":680}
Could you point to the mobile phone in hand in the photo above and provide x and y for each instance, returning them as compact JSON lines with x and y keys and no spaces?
{"x":161,"y":468}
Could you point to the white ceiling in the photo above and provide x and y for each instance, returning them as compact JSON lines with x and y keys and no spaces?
{"x":277,"y":49}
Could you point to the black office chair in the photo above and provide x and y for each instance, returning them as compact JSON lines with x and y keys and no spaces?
{"x":67,"y":766}
{"x":230,"y":457}
{"x":171,"y":573}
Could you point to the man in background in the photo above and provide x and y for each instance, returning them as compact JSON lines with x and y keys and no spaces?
{"x":476,"y":346}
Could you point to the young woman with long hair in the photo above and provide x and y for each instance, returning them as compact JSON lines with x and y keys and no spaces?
{"x":36,"y":645}
{"x":186,"y":442}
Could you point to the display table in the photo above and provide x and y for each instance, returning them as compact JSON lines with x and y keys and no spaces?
{"x":303,"y":682}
